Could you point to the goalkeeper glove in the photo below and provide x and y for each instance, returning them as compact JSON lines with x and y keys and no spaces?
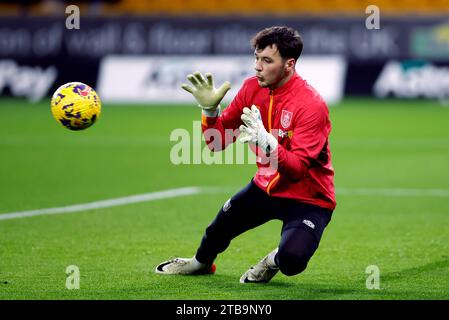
{"x":204,"y":91}
{"x":254,"y":132}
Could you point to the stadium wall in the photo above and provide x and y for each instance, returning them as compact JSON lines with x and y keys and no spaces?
{"x":39,"y":54}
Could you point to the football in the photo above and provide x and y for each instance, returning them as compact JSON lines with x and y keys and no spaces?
{"x":76,"y":106}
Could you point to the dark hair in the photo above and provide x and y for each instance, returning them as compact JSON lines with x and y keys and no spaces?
{"x":287,"y":40}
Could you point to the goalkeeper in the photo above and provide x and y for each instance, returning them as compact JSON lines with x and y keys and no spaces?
{"x":286,"y":122}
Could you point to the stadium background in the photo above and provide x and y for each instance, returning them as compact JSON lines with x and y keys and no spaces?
{"x":389,"y":91}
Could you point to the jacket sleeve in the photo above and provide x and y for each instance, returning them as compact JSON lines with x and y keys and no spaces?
{"x":308,"y":146}
{"x":222,"y":130}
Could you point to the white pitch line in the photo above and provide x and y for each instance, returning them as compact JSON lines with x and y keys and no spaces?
{"x":393,"y":192}
{"x":172,"y":193}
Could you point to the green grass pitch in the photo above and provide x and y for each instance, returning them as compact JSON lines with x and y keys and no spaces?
{"x":392,"y":178}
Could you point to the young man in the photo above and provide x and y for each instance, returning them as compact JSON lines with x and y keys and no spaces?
{"x":286,"y":122}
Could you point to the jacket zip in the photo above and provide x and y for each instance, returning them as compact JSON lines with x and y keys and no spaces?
{"x":270,"y":109}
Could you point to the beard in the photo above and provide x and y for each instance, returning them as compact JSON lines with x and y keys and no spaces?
{"x":263,"y":83}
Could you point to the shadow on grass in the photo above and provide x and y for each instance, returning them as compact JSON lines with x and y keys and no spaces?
{"x":410,"y":272}
{"x":227,"y":287}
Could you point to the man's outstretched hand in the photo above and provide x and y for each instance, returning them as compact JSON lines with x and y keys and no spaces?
{"x":254,"y":131}
{"x":204,"y":92}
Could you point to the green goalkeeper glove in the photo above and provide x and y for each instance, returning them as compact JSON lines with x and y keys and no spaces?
{"x":204,"y":91}
{"x":254,"y":132}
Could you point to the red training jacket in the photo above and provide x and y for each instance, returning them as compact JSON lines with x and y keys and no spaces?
{"x":300,"y":168}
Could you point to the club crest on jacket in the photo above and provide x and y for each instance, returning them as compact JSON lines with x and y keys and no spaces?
{"x":286,"y":118}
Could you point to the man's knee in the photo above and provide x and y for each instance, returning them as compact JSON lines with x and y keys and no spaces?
{"x":292,"y":263}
